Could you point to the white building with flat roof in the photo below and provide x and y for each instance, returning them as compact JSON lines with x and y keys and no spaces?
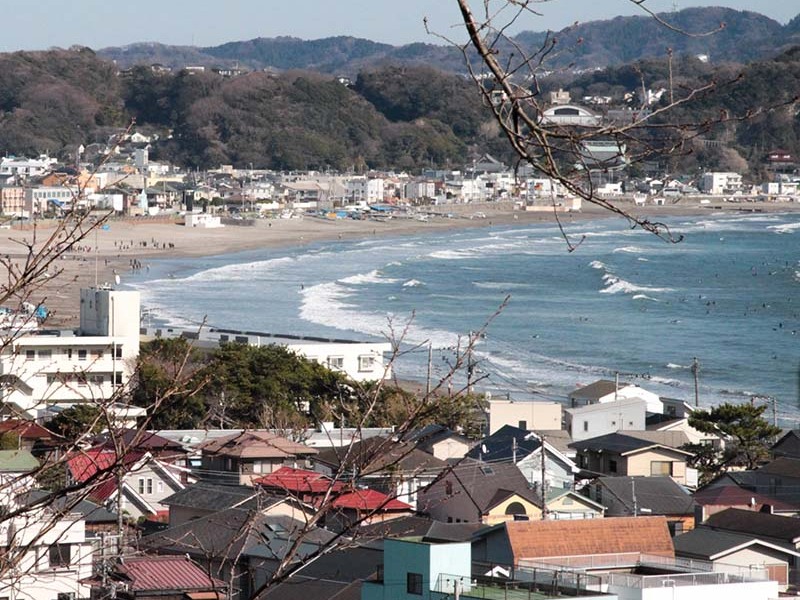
{"x":45,"y":368}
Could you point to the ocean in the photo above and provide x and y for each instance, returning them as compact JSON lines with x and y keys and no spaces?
{"x":625,"y":302}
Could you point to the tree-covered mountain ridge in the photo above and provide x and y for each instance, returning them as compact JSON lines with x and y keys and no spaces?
{"x":739,"y":36}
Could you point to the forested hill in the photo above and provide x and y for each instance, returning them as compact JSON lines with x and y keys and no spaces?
{"x":404,"y":117}
{"x":741,"y":36}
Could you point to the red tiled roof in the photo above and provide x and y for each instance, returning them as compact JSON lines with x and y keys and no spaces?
{"x":84,"y":465}
{"x":292,"y":480}
{"x":165,"y":573}
{"x":610,"y":535}
{"x":369,"y":500}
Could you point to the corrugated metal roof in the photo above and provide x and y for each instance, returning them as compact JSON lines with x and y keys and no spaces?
{"x":164,"y":573}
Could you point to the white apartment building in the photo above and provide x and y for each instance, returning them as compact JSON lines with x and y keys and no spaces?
{"x":360,"y":361}
{"x":26,"y":167}
{"x":720,"y":183}
{"x":366,"y":189}
{"x":48,"y":556}
{"x":417,"y":190}
{"x":47,"y":368}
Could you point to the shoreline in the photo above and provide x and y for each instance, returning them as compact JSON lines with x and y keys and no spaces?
{"x":129,"y":244}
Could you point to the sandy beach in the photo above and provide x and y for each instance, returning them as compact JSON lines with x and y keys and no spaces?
{"x":127,"y":244}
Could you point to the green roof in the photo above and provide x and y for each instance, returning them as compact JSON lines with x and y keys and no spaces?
{"x":18,"y":461}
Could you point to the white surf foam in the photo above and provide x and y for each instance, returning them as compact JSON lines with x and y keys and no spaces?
{"x":785,"y":228}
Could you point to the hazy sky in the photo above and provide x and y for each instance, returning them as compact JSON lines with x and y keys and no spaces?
{"x":99,"y":23}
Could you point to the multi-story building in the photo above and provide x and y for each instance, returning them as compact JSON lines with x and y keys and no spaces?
{"x":46,"y":370}
{"x":12,"y":200}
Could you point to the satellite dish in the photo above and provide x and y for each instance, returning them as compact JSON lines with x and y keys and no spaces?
{"x":116,"y":279}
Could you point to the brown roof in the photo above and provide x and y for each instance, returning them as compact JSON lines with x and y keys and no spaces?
{"x":540,"y":539}
{"x":256,"y":444}
{"x":163,"y":573}
{"x":378,"y":454}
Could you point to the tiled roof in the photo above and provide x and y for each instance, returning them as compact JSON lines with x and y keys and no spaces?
{"x":369,"y":500}
{"x":27,"y":430}
{"x":620,"y":443}
{"x":541,"y":539}
{"x":733,"y":495}
{"x":784,"y":465}
{"x":86,"y":464}
{"x":757,"y":524}
{"x":166,"y":573}
{"x":378,"y":454}
{"x":656,"y":495}
{"x":596,"y":390}
{"x":712,"y":544}
{"x":209,"y":496}
{"x":501,"y":445}
{"x":298,"y":481}
{"x":256,"y":444}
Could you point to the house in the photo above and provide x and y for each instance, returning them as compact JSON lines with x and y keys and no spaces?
{"x":481,"y":492}
{"x":157,"y":577}
{"x":621,"y":557}
{"x":717,"y":183}
{"x":523,"y":448}
{"x":713,"y":499}
{"x":364,"y":506}
{"x":16,"y":474}
{"x":204,"y":498}
{"x":243,"y":457}
{"x":439,"y":441}
{"x":622,"y":454}
{"x":594,"y":420}
{"x":665,"y":422}
{"x":779,"y":480}
{"x":525,"y":415}
{"x":788,"y":445}
{"x":734,"y":553}
{"x":307,"y":486}
{"x":772,"y":528}
{"x":633,"y":496}
{"x":29,"y":435}
{"x":143,"y":480}
{"x":396,"y":468}
{"x":605,"y":390}
{"x":239,"y":546}
{"x":513,"y":542}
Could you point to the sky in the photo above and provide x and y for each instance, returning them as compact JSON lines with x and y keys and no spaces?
{"x":101,"y":23}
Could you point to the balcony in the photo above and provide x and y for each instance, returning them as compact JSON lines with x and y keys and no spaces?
{"x":533,"y":584}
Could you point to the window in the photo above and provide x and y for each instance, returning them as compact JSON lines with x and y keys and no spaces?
{"x":82,"y":354}
{"x":661,"y":468}
{"x":45,"y":354}
{"x":30,"y":354}
{"x":118,"y":351}
{"x":516,"y":508}
{"x":59,"y":555}
{"x":69,"y":353}
{"x":414,"y":583}
{"x":149,"y":485}
{"x":118,"y":378}
{"x":586,"y":425}
{"x":448,"y":487}
{"x":258,"y":466}
{"x":336,"y":362}
{"x":612,"y":466}
{"x":523,"y":425}
{"x":366,"y":362}
{"x":141,"y":485}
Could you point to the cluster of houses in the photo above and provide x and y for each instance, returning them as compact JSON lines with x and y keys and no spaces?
{"x":592,"y":497}
{"x":130,"y":184}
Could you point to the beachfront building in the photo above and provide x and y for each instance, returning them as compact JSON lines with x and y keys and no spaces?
{"x":45,"y":371}
{"x":360,"y":361}
{"x":22,"y":167}
{"x":720,"y":183}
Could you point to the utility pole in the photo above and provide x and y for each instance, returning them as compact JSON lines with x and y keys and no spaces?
{"x":514,"y":450}
{"x":616,"y":385}
{"x":695,"y":372}
{"x":430,"y":368}
{"x":544,"y":480}
{"x":470,"y":364}
{"x":633,"y":494}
